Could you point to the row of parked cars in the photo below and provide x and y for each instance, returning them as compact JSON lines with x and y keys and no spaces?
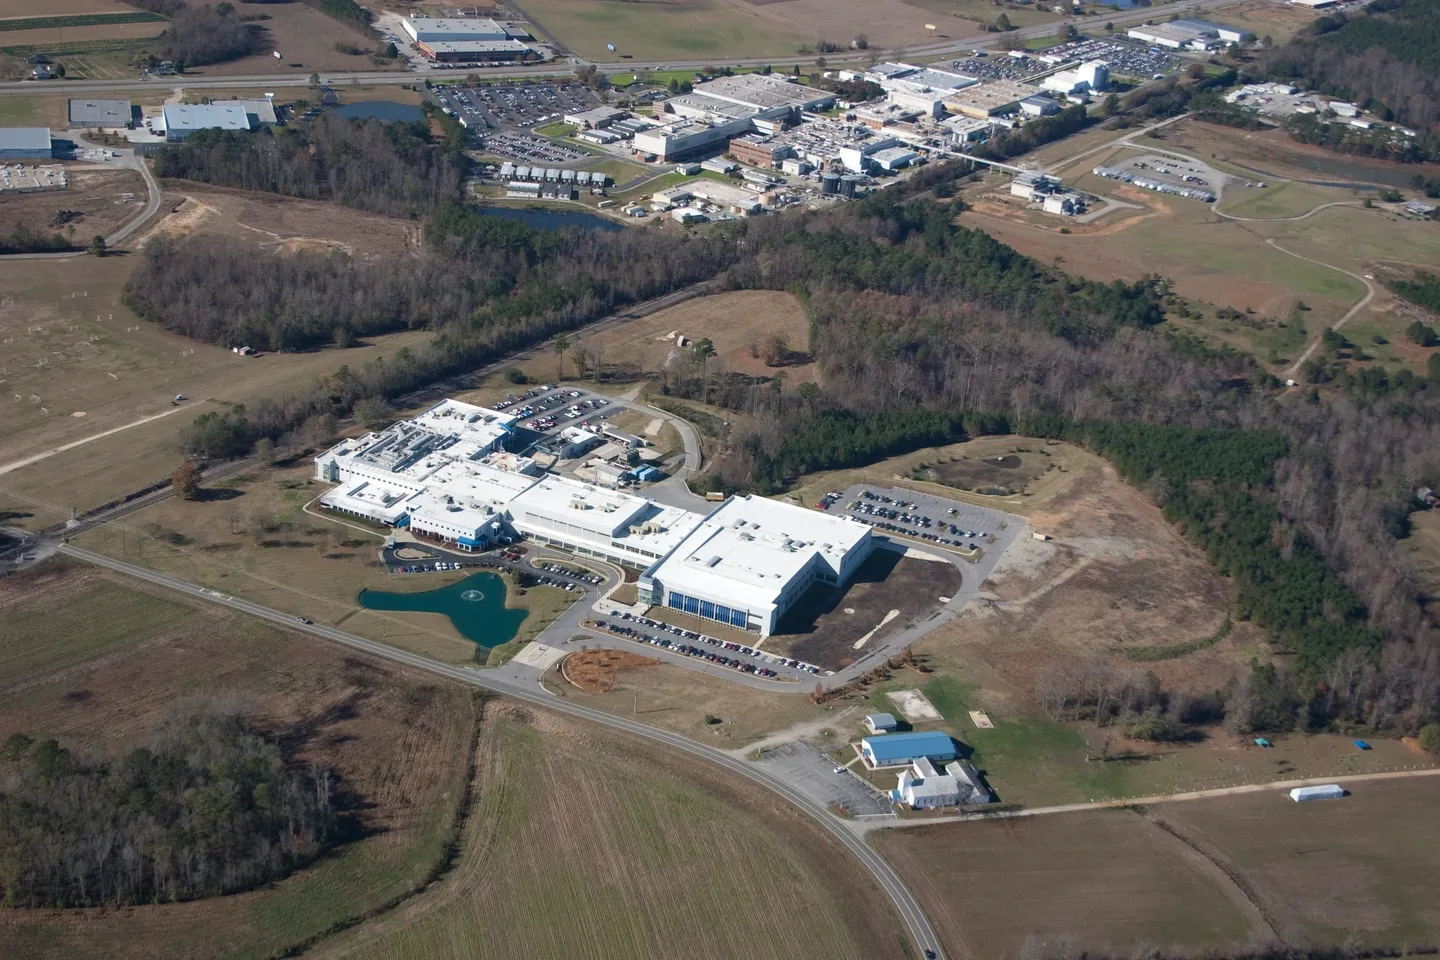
{"x":572,"y":574}
{"x":726,"y":644}
{"x":679,"y":646}
{"x":829,"y":500}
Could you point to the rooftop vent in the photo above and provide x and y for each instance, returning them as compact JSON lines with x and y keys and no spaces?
{"x":713,"y":561}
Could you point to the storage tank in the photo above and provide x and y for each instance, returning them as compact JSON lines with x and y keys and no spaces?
{"x":847,"y":187}
{"x":830,"y":184}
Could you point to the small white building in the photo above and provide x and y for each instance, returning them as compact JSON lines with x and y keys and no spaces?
{"x":880,"y":723}
{"x":922,"y":786}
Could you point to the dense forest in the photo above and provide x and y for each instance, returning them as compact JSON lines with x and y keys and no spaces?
{"x":395,"y":169}
{"x":1387,"y":58}
{"x":209,"y":808}
{"x":925,"y":331}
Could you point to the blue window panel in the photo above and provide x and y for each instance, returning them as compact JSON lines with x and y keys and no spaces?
{"x":737,"y":618}
{"x":722,"y":613}
{"x":707,"y":609}
{"x":677,"y":600}
{"x":692,"y":605}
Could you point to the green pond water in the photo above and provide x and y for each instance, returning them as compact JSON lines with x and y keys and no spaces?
{"x":476,"y":605}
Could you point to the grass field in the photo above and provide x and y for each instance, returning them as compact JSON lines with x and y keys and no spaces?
{"x":253,"y":539}
{"x":95,"y":366}
{"x":653,"y":31}
{"x":1376,"y":846}
{"x":587,"y":844}
{"x":98,"y":663}
{"x":1104,"y":881}
{"x":732,"y":322}
{"x":38,"y":8}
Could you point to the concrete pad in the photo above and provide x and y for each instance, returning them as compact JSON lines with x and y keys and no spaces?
{"x":539,"y":655}
{"x":913,"y":705}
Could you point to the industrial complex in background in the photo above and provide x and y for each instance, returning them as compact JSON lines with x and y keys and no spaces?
{"x":446,"y":476}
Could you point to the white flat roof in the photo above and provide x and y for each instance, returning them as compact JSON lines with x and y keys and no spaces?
{"x":750,"y":548}
{"x":371,"y":498}
{"x":230,"y":115}
{"x":457,"y":28}
{"x":590,"y":508}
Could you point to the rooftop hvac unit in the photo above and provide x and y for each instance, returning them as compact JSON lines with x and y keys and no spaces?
{"x":578,"y":504}
{"x":713,"y":561}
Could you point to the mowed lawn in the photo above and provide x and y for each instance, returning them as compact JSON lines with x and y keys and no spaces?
{"x":589,"y":845}
{"x":652,"y":31}
{"x":98,"y":663}
{"x":1106,"y":881}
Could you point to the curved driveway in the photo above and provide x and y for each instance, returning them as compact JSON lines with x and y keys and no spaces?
{"x":914,"y":918}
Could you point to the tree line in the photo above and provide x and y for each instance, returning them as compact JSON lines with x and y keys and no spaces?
{"x":209,"y":808}
{"x":394,"y":169}
{"x":1387,"y":58}
{"x":199,"y":35}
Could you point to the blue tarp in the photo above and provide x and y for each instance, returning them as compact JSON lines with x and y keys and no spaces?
{"x":1362,"y":744}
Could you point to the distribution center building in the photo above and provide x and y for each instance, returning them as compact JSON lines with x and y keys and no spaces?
{"x":25,"y":143}
{"x":749,"y":561}
{"x":101,"y":113}
{"x":453,"y":30}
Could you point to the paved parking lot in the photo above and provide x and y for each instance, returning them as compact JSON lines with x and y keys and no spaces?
{"x":494,"y":108}
{"x":813,"y":774}
{"x":549,"y":409}
{"x":937,"y":520}
{"x":1124,"y":56}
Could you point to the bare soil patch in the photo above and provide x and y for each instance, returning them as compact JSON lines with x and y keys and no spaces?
{"x":887,"y":24}
{"x":824,"y":625}
{"x":43,"y":8}
{"x":594,"y":671}
{"x":100,"y":200}
{"x":1002,"y":474}
{"x":77,"y":34}
{"x":271,"y":222}
{"x":1104,"y":881}
{"x":1115,"y":577}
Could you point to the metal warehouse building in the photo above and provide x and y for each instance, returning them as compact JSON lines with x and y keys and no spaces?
{"x":453,"y":30}
{"x":25,"y":143}
{"x":897,"y":749}
{"x":101,"y":113}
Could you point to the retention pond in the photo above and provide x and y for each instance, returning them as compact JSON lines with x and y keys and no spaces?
{"x":476,"y":605}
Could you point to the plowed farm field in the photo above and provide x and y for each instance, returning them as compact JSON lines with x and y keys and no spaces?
{"x":586,"y":844}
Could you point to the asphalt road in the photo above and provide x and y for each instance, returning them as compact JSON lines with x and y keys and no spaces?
{"x":564,"y":67}
{"x":910,"y":912}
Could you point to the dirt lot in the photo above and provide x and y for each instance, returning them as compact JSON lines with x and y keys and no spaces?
{"x":1004,"y":474}
{"x":596,"y":671}
{"x":98,"y":662}
{"x":734,"y":322}
{"x":680,"y":699}
{"x":269,"y":222}
{"x":889,"y":592}
{"x":1351,"y":870}
{"x":580,"y":836}
{"x":1105,"y":881}
{"x":104,"y":197}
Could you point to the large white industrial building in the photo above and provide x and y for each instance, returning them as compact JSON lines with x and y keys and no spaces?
{"x":749,"y":561}
{"x":726,"y":107}
{"x":446,"y":476}
{"x":453,"y":30}
{"x":1187,"y":34}
{"x":180,"y":120}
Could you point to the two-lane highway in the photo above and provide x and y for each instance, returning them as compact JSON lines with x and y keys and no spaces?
{"x":914,"y":918}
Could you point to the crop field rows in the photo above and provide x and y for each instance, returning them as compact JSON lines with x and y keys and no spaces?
{"x":585,"y":845}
